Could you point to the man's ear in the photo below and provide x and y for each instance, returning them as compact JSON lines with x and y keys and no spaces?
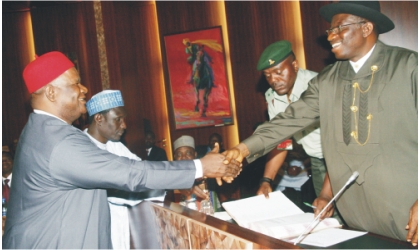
{"x":295,"y":64}
{"x":367,"y":29}
{"x":50,"y":92}
{"x":98,"y":118}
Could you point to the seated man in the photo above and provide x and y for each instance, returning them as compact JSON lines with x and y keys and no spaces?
{"x":153,"y":152}
{"x":204,"y":149}
{"x":184,"y":149}
{"x":294,"y":170}
{"x":7,"y":166}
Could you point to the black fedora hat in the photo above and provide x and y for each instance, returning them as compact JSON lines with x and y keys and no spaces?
{"x":370,"y":10}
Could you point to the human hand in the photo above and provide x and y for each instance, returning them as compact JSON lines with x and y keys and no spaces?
{"x":237,"y":153}
{"x":412,"y":225}
{"x":214,"y":165}
{"x":226,"y":179}
{"x":231,"y":155}
{"x":265,"y":188}
{"x":320,"y":203}
{"x":185,"y":192}
{"x":199,"y":193}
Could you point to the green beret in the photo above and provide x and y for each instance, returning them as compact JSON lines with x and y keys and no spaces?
{"x":274,"y":54}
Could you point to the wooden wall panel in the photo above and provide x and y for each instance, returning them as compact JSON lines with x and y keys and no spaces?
{"x":404,"y":14}
{"x":136,"y":68}
{"x":70,"y":28}
{"x":253,"y":25}
{"x":317,"y":49}
{"x":17,"y":52}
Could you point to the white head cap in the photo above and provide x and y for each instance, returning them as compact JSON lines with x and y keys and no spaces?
{"x":184,"y":141}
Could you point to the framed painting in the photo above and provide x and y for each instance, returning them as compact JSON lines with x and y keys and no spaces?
{"x":198,"y":80}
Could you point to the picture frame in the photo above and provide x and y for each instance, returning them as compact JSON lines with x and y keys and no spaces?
{"x":196,"y":65}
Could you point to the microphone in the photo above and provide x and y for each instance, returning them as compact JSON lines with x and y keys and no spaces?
{"x":311,"y":226}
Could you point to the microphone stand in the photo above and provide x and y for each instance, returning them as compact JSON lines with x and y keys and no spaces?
{"x":316,"y":219}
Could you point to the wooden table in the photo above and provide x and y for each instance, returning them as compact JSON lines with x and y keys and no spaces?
{"x":180,"y":227}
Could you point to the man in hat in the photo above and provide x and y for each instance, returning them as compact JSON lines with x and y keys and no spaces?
{"x":367,"y":106}
{"x":184,"y":149}
{"x":281,"y":69}
{"x":58,"y":197}
{"x":107,"y":117}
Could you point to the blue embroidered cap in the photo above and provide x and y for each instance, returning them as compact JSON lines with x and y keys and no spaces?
{"x":104,"y":100}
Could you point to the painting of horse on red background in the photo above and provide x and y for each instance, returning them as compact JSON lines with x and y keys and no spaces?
{"x":198,"y":79}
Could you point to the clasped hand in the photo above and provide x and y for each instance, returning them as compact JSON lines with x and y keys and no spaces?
{"x":234,"y":156}
{"x":216,"y":166}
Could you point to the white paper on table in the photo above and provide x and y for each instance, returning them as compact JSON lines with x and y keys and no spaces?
{"x":277,"y":216}
{"x":258,"y":208}
{"x":222,"y":215}
{"x":291,"y":226}
{"x":329,"y":237}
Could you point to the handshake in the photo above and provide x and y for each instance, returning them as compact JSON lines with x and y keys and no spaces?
{"x":226,"y":165}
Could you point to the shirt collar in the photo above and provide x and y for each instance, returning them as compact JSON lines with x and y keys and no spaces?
{"x":8,"y":178}
{"x":296,"y":91}
{"x":97,"y":143}
{"x":357,"y":65}
{"x":42,"y":112}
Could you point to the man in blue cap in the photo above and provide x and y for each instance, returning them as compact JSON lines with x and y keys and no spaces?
{"x":281,"y":69}
{"x":107,"y":117}
{"x":367,"y":106}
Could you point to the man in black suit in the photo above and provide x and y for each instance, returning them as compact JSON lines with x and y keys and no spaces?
{"x":153,"y":153}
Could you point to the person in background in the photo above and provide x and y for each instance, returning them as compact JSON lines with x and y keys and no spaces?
{"x":58,"y":198}
{"x":7,"y":167}
{"x":7,"y":180}
{"x":281,"y":69}
{"x":367,"y":106}
{"x":107,"y":117}
{"x":204,"y":149}
{"x":184,"y":149}
{"x":154,"y":153}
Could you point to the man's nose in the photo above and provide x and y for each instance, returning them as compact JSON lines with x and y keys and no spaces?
{"x":83,"y":89}
{"x":271,"y":79}
{"x":123,"y":125}
{"x":331,"y":36}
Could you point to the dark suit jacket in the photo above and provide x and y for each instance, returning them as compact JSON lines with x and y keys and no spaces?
{"x":157,"y":154}
{"x":201,"y":150}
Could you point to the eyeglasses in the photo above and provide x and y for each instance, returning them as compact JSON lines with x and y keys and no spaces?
{"x":339,"y":28}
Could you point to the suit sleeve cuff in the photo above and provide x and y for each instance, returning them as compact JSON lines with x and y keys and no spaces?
{"x":198,"y":168}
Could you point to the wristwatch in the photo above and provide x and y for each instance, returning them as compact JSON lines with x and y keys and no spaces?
{"x":266,"y":179}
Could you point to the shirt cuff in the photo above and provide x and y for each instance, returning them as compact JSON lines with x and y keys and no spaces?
{"x":198,"y":168}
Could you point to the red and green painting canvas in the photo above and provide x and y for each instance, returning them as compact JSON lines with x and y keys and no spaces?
{"x":197,"y":74}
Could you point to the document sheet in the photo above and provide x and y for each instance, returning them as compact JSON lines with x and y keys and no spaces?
{"x":280,"y":218}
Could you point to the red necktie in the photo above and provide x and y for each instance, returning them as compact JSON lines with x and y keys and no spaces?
{"x":6,"y":189}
